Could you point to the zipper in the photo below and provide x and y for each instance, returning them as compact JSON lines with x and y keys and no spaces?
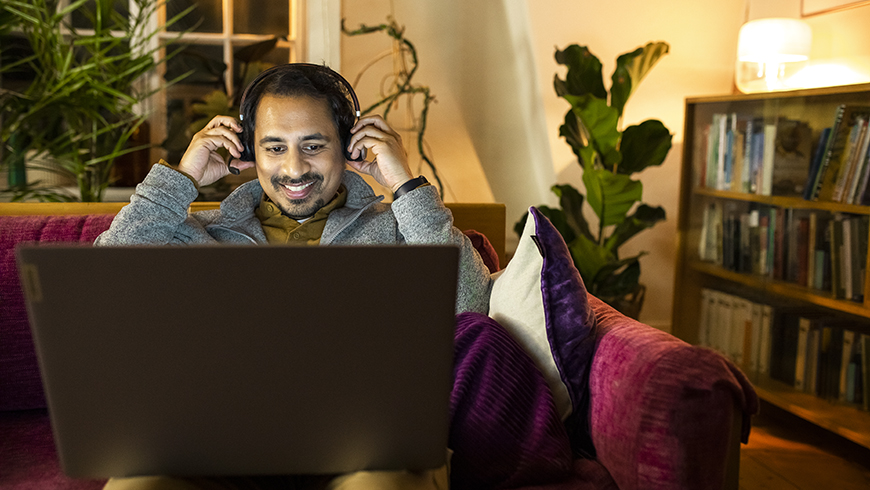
{"x":220,"y":227}
{"x":352,"y":219}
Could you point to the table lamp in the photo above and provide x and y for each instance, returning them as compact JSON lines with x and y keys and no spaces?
{"x":769,"y":51}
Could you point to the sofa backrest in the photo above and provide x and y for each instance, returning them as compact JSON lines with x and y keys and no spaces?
{"x":20,"y":381}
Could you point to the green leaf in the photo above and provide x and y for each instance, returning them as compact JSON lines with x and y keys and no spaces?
{"x":573,"y":135}
{"x":572,"y":205}
{"x":589,"y":258}
{"x":643,"y":217}
{"x":216,"y":104}
{"x":631,"y":68}
{"x":618,"y":278}
{"x":598,"y":120}
{"x":584,"y":73}
{"x":560,"y":222}
{"x":610,"y":195}
{"x":556,"y":217}
{"x":643,"y":146}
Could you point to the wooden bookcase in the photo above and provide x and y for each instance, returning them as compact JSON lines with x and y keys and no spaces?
{"x":818,"y":108}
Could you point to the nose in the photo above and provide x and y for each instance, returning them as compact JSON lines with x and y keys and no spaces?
{"x":295,"y":164}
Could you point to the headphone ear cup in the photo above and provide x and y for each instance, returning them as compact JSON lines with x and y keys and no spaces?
{"x":247,"y":152}
{"x":347,"y":155}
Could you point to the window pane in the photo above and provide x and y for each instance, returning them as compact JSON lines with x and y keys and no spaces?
{"x":261,"y":17}
{"x":206,"y":62}
{"x":277,"y":56}
{"x":208,"y":13}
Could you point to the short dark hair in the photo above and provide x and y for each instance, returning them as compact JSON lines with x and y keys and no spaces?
{"x":299,"y":80}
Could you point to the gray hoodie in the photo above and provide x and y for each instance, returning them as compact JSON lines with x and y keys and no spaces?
{"x":158,"y":215}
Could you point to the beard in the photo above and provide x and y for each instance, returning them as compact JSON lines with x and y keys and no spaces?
{"x":300,"y":208}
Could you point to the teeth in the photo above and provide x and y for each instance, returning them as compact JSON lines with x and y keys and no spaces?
{"x":297,"y":188}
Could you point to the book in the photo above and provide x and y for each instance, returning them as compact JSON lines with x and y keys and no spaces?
{"x":755,"y":337}
{"x":818,"y":156}
{"x":861,"y":192}
{"x":757,"y":157}
{"x":767,"y":159}
{"x":837,"y":150}
{"x":836,"y":252}
{"x":791,"y":158}
{"x":859,"y":163}
{"x":845,"y":359}
{"x":764,"y":350}
{"x":812,"y":362}
{"x":708,"y":309}
{"x":865,"y":370}
{"x":846,"y":259}
{"x":850,"y":155}
{"x":800,"y":370}
{"x":830,"y":356}
{"x":784,"y":346}
{"x":812,"y":233}
{"x":741,"y":330}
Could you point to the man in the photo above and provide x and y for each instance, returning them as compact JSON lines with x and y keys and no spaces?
{"x":300,"y":131}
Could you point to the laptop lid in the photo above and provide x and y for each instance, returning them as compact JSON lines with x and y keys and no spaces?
{"x":244,"y":360}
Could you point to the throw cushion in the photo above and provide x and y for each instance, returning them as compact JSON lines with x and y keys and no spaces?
{"x":541,"y":299}
{"x":504,"y":429}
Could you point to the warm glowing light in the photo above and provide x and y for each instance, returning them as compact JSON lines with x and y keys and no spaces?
{"x":769,"y":51}
{"x":825,"y":75}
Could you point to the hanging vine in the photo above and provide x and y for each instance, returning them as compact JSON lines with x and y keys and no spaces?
{"x":402,"y":85}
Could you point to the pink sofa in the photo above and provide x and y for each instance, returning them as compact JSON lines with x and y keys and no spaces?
{"x":663,"y":414}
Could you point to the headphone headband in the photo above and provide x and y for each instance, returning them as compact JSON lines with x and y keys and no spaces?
{"x":286,"y":66}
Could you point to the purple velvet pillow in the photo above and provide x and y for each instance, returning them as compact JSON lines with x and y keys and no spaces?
{"x":541,"y":299}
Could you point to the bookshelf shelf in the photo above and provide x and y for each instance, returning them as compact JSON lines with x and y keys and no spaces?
{"x":784,"y":202}
{"x":783,"y":289}
{"x":781,"y":267}
{"x":845,"y":420}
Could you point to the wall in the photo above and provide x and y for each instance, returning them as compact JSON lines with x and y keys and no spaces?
{"x":491,"y":65}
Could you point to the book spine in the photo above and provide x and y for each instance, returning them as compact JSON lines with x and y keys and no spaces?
{"x":767,"y":161}
{"x":800,"y":367}
{"x":829,"y":149}
{"x":848,"y":341}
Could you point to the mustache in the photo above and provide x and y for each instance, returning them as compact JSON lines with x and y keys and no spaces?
{"x":308,"y":177}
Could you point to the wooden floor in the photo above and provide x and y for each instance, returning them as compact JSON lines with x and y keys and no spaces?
{"x":787,"y":453}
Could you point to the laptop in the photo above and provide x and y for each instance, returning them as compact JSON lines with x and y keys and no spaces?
{"x":244,"y":360}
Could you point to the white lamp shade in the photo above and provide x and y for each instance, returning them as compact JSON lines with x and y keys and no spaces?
{"x":776,"y":40}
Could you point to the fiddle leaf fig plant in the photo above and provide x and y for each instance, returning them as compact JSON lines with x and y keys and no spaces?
{"x":609,"y":157}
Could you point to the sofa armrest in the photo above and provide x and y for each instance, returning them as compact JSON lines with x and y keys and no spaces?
{"x":662,"y":412}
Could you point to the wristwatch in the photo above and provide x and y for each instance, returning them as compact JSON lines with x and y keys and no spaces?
{"x":410,"y":186}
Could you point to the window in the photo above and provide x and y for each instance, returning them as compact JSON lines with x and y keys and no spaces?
{"x":222,"y":44}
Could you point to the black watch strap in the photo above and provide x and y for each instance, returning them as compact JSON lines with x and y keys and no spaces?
{"x":410,"y":186}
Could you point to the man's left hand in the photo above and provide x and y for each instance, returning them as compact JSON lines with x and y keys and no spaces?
{"x":390,"y":165}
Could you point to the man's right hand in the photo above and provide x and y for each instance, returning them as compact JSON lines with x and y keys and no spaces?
{"x":202,"y":160}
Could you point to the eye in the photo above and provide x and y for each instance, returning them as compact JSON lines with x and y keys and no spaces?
{"x":312,"y":147}
{"x":276,"y":150}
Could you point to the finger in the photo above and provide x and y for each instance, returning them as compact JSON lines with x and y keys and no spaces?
{"x":221,"y":136}
{"x":227,"y":121}
{"x":374,"y":136}
{"x":376,"y":121}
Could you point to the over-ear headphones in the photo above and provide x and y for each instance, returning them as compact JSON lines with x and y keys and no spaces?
{"x":308,"y":71}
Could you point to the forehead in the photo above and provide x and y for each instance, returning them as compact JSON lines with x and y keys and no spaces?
{"x":294,"y":113}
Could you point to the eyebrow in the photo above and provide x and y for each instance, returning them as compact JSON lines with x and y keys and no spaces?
{"x":308,"y":137}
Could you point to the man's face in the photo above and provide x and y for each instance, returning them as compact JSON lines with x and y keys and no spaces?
{"x":299,"y":155}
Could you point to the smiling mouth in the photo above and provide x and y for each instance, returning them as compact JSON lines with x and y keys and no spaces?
{"x":298,"y":188}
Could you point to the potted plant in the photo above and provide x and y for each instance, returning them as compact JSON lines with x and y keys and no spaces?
{"x":609,"y":157}
{"x":79,"y":106}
